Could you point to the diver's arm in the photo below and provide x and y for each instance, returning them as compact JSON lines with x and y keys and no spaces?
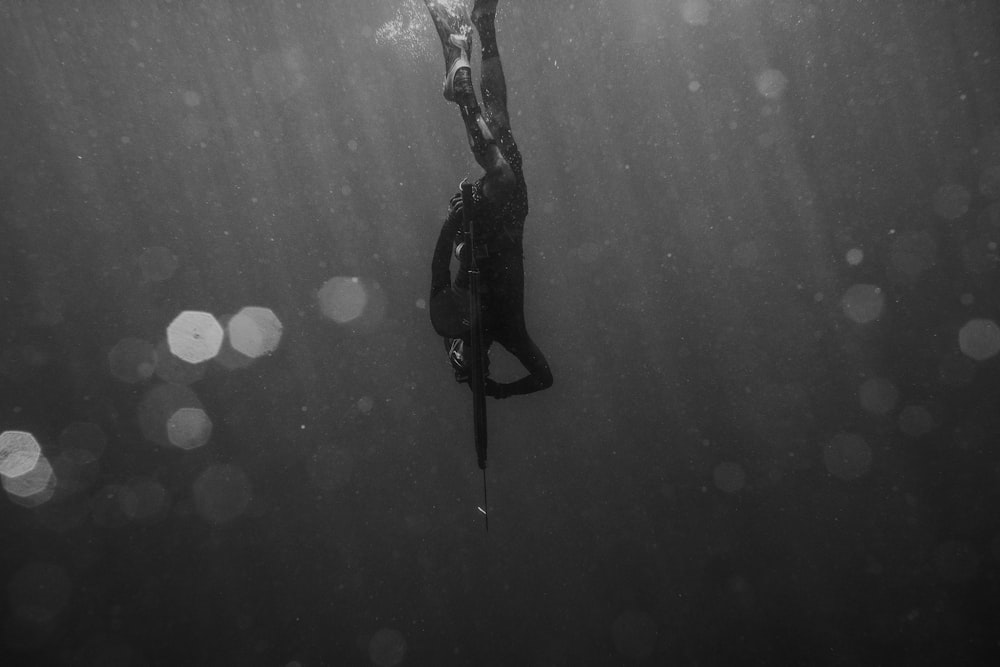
{"x":441,"y":264}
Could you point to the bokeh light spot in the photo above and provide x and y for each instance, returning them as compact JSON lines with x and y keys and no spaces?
{"x":863,"y":303}
{"x":19,"y":453}
{"x":878,"y":395}
{"x":952,"y":201}
{"x":159,"y":405}
{"x":979,"y":339}
{"x":39,"y":591}
{"x":254,"y":331}
{"x":771,"y":83}
{"x":916,"y":421}
{"x":847,"y":456}
{"x":342,"y":299}
{"x":194,"y":336}
{"x":729,"y":477}
{"x":696,"y":12}
{"x":132,"y":360}
{"x":221,"y":493}
{"x":189,"y":428}
{"x":387,"y":648}
{"x":33,"y":488}
{"x":634,"y":634}
{"x":855,"y":256}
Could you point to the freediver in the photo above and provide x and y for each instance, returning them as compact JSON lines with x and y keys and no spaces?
{"x":500,"y":206}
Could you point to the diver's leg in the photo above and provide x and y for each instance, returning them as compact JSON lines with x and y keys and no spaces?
{"x":455,"y":32}
{"x":493,"y":84}
{"x":539,"y":376}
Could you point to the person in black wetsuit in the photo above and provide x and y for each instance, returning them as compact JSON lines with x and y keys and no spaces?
{"x":500,"y":206}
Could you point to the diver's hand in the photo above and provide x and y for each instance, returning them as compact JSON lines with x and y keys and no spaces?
{"x":455,"y":204}
{"x":495,"y":389}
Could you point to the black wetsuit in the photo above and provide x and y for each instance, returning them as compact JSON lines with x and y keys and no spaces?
{"x":500,"y":258}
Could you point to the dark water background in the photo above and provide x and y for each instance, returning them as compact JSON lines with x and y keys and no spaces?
{"x":758,"y":231}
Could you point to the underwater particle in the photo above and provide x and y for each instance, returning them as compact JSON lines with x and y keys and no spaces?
{"x":855,"y":256}
{"x":39,"y":591}
{"x":194,"y":336}
{"x":221,"y":493}
{"x":916,"y":421}
{"x":33,"y":488}
{"x":979,"y":339}
{"x":387,"y":648}
{"x":254,"y":331}
{"x":132,"y":360}
{"x":19,"y":453}
{"x":365,"y":404}
{"x":343,"y":299}
{"x":951,"y":201}
{"x":729,"y":477}
{"x":989,"y":182}
{"x":189,"y":428}
{"x":956,"y":561}
{"x":157,"y":264}
{"x":863,"y":303}
{"x":696,"y":12}
{"x":407,"y":33}
{"x":634,"y":634}
{"x":191,"y":98}
{"x":771,"y":83}
{"x":847,"y":456}
{"x":878,"y":395}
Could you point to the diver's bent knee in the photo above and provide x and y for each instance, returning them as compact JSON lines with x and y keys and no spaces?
{"x":545,"y":379}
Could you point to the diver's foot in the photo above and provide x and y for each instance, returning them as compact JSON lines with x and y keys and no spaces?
{"x":484,"y":10}
{"x":458,"y":79}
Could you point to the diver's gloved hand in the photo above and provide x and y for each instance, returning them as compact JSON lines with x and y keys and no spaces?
{"x":496,"y":389}
{"x":455,"y":205}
